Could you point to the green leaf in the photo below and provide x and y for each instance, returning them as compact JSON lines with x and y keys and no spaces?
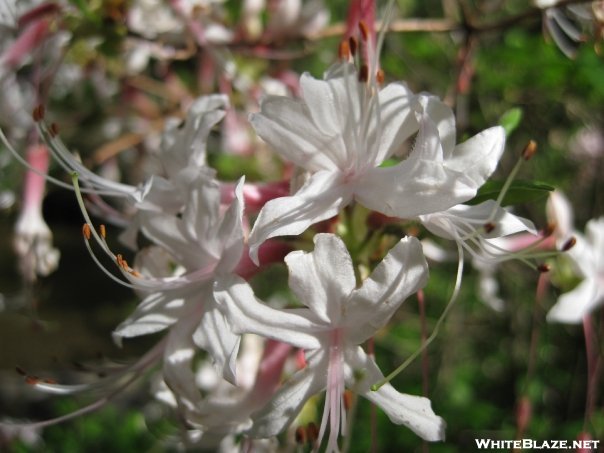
{"x":510,"y":120}
{"x":390,"y":163}
{"x":519,"y":192}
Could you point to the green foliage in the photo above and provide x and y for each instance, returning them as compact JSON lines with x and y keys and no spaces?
{"x":510,"y":120}
{"x":519,"y":192}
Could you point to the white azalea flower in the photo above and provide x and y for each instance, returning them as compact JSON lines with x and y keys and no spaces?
{"x":338,"y":318}
{"x":206,"y":246}
{"x":588,"y":257}
{"x":342,"y":131}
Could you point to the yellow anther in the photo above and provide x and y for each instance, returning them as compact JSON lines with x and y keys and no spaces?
{"x":364,"y":30}
{"x":86,"y":231}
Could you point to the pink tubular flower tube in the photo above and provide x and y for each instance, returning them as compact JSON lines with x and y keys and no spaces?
{"x":33,"y":239}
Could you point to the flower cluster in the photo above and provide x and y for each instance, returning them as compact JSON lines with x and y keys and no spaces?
{"x":191,"y":277}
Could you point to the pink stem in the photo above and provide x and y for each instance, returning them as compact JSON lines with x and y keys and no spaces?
{"x":270,"y":252}
{"x":593,"y":366}
{"x":270,"y":369}
{"x":255,"y":194}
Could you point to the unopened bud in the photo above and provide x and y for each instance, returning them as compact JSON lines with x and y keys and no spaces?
{"x":529,"y":150}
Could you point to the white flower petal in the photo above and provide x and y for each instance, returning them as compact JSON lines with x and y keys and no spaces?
{"x":574,"y":305}
{"x":402,"y":272}
{"x":287,"y":403}
{"x":324,"y":278}
{"x":478,"y":157}
{"x":412,"y":188}
{"x":169,"y":232}
{"x":396,"y":123}
{"x":286,"y":125}
{"x":246,"y":314}
{"x":320,"y":198}
{"x":420,"y":184}
{"x":560,"y":213}
{"x":156,"y":312}
{"x":442,"y":116}
{"x":230,"y":233}
{"x":202,"y":208}
{"x":415,"y":412}
{"x":488,"y":287}
{"x":186,"y":147}
{"x":215,"y":336}
{"x":594,"y":232}
{"x":158,"y":194}
{"x":178,"y":358}
{"x":328,"y":99}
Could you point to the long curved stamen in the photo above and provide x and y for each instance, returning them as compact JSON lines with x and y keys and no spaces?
{"x":23,"y":162}
{"x":141,"y":283}
{"x":101,"y":185}
{"x":137,"y":369}
{"x":388,"y":16}
{"x":49,"y":178}
{"x":436,"y":330}
{"x":334,"y":402}
{"x":351,"y":120}
{"x":105,"y":270}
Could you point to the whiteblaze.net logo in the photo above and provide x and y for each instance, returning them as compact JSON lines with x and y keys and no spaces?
{"x":532,"y":444}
